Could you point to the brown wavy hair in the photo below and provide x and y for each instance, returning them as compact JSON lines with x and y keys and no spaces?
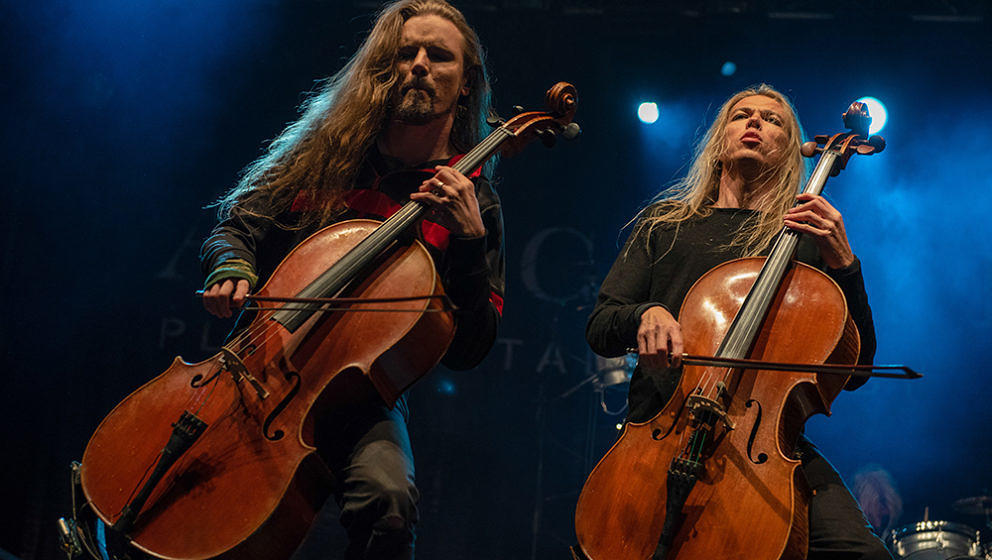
{"x":319,"y":155}
{"x":692,"y":196}
{"x":876,"y":492}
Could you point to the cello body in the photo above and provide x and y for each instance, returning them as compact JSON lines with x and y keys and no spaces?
{"x":750,"y":501}
{"x":251,"y":484}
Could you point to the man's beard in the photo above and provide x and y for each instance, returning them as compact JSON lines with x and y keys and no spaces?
{"x":415,"y":104}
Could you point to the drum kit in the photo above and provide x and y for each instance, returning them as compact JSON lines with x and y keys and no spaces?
{"x":943,"y":540}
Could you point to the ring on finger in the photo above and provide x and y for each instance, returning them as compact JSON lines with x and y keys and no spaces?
{"x":438,"y":189}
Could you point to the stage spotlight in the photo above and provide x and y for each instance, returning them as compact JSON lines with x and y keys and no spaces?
{"x":728,"y":68}
{"x":647,"y":112}
{"x":446,"y":387}
{"x":878,"y":114}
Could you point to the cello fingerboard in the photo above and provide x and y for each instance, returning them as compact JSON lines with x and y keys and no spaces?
{"x":333,"y":281}
{"x":747,"y":323}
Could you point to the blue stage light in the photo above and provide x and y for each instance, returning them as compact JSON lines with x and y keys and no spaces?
{"x":647,"y":112}
{"x":878,"y":114}
{"x":446,"y":387}
{"x":728,"y":68}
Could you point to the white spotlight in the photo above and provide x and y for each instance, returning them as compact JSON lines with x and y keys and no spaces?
{"x":648,"y":112}
{"x":878,"y":114}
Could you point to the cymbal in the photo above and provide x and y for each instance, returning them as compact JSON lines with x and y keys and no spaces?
{"x":976,"y":505}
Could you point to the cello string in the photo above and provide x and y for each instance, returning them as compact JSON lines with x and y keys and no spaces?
{"x":764,"y":290}
{"x":139,"y":484}
{"x":388,"y":230}
{"x":213,"y":383}
{"x":745,"y":329}
{"x":697,"y":444}
{"x":262,"y":332}
{"x":704,"y":382}
{"x":265,"y":331}
{"x":681,"y":445}
{"x":268,"y":330}
{"x":491,"y":142}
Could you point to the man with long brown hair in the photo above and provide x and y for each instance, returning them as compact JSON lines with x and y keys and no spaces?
{"x":741,"y":189}
{"x":414,"y":96}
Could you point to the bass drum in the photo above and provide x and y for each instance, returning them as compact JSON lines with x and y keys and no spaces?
{"x":935,"y":540}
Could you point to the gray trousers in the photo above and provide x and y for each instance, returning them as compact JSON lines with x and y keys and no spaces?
{"x":369,"y":452}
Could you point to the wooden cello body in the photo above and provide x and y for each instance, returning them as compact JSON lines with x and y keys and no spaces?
{"x":713,"y":474}
{"x":217,"y":459}
{"x":749,"y":501}
{"x":251,"y":484}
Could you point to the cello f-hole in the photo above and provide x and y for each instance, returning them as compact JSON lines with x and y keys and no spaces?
{"x":198,"y":380}
{"x":293,"y":377}
{"x":657,"y":434}
{"x":762,"y":457}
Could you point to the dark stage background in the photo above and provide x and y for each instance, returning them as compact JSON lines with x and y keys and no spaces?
{"x":123,"y":119}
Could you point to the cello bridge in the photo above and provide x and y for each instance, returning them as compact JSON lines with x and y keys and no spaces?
{"x":707,"y":411}
{"x":239,"y":372}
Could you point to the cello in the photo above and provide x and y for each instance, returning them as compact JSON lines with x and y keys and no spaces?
{"x":712,"y":475}
{"x":217,"y":458}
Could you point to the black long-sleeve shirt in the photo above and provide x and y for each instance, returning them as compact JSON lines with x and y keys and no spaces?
{"x":640,"y":279}
{"x":472,"y":270}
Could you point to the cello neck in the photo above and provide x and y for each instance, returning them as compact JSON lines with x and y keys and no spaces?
{"x":412,"y":211}
{"x":336,"y":278}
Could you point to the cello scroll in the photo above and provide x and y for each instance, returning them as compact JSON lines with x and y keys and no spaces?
{"x":562,"y":100}
{"x":845,"y":144}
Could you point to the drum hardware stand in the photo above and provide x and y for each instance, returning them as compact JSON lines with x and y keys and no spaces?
{"x":75,"y":535}
{"x":976,"y":505}
{"x":72,"y":538}
{"x":608,"y":372}
{"x":69,"y":541}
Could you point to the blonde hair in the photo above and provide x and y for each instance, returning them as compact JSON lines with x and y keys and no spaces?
{"x":692,"y":196}
{"x":319,"y":155}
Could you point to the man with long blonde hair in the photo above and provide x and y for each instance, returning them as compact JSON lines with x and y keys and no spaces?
{"x":741,"y":189}
{"x":413,"y":97}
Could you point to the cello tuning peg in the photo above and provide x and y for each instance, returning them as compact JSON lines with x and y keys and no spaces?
{"x":809,"y":149}
{"x":548,"y":137}
{"x":571,"y":131}
{"x":873,"y":145}
{"x":494,"y":120}
{"x":518,"y":109}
